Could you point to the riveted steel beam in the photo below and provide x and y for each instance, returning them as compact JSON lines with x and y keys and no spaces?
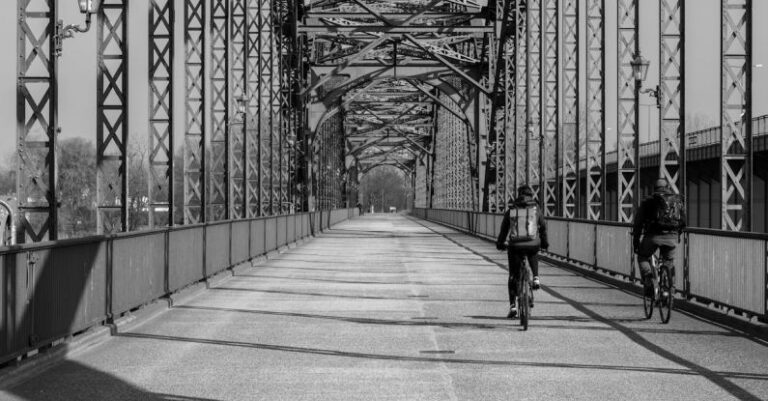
{"x":736,"y":114}
{"x":570,"y":137}
{"x":221,"y":182}
{"x":161,"y":79}
{"x":551,"y":103}
{"x":195,"y":114}
{"x":112,"y":118}
{"x":595,"y":143}
{"x":627,"y":122}
{"x":36,"y":120}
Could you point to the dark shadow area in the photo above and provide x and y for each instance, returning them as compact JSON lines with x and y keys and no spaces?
{"x":322,"y":280}
{"x":73,"y":381}
{"x":317,"y":294}
{"x":407,"y":358}
{"x":717,"y":378}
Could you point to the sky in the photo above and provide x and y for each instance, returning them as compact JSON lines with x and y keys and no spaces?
{"x":77,"y":70}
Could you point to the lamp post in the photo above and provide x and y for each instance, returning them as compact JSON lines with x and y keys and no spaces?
{"x":87,"y":7}
{"x":640,"y":71}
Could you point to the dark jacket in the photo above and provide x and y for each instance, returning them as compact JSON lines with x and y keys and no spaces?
{"x":644,"y":219}
{"x":541,"y":242}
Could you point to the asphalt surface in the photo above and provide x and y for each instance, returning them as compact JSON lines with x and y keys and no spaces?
{"x":389,"y":308}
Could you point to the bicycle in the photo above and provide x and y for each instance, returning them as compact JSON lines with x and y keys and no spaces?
{"x":525,"y":293}
{"x":663,"y":294}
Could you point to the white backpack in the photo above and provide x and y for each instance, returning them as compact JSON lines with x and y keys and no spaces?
{"x":524,"y":223}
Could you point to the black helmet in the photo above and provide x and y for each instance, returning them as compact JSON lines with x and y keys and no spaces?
{"x":661,"y":185}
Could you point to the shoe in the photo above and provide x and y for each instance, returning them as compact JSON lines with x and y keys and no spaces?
{"x":512,"y":311}
{"x":536,"y":283}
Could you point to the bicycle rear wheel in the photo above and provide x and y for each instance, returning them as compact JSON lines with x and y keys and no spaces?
{"x":666,"y":294}
{"x":525,"y":306}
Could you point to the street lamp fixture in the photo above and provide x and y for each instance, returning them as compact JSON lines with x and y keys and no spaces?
{"x":87,"y":7}
{"x":640,"y":71}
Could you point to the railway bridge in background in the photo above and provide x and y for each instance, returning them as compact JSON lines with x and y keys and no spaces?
{"x":262,"y":119}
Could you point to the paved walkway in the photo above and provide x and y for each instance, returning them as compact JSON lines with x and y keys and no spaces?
{"x":389,"y":308}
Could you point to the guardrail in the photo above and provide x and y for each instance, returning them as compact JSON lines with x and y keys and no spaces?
{"x":727,"y":269}
{"x":52,"y":290}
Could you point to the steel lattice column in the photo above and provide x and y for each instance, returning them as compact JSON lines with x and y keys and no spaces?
{"x":551,"y":102}
{"x":254,"y":198}
{"x":595,"y":108}
{"x":533,"y":163}
{"x":285,"y":111}
{"x":736,"y":113}
{"x":36,"y":119}
{"x":161,"y":38}
{"x":238,"y":96}
{"x":570,"y":137}
{"x":628,"y":142}
{"x":219,"y":201}
{"x":521,"y":96}
{"x":672,"y":92}
{"x":194,"y":136}
{"x":506,"y":122}
{"x":264,"y":116}
{"x":275,"y":131}
{"x":112,"y":117}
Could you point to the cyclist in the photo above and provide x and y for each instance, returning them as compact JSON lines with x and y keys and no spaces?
{"x":527,"y":232}
{"x":660,"y":221}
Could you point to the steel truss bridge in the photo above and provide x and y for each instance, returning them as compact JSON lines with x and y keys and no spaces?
{"x":287,"y":103}
{"x":286,"y":106}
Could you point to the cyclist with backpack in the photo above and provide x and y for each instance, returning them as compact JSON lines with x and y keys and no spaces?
{"x":660,"y":221}
{"x":527,"y":232}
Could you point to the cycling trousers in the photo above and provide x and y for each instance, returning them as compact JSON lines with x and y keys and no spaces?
{"x":667,"y":243}
{"x":516,"y":262}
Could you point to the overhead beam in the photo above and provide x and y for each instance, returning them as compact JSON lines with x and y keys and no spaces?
{"x":336,"y":71}
{"x":439,"y":30}
{"x":461,"y":73}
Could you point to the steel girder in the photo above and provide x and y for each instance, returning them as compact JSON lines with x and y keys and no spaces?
{"x":570,"y":137}
{"x":330,"y":168}
{"x":736,"y":113}
{"x":195,"y":195}
{"x":595,"y":144}
{"x":672,"y":93}
{"x":112,"y":118}
{"x":221,"y":182}
{"x":238,"y":88}
{"x":627,"y":122}
{"x":37,"y":120}
{"x":533,"y":135}
{"x":520,"y":137}
{"x":551,"y":103}
{"x":256,"y":119}
{"x":161,"y":144}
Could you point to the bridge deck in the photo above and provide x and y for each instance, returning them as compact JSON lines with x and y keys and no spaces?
{"x":384,"y":307}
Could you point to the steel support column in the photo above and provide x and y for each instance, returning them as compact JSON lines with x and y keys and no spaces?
{"x":672,"y":93}
{"x":254,"y":121}
{"x":219,"y":201}
{"x":36,"y":119}
{"x":736,"y":113}
{"x":533,"y":144}
{"x":238,"y":91}
{"x":595,"y":143}
{"x":551,"y":103}
{"x":521,"y":134}
{"x":194,"y":136}
{"x":161,"y":49}
{"x":570,"y":129}
{"x":628,"y":173}
{"x":112,"y":118}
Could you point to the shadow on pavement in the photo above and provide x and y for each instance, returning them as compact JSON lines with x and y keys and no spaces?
{"x":74,"y":381}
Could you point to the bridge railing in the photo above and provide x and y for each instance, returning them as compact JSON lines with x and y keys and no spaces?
{"x":52,"y":290}
{"x":727,"y":269}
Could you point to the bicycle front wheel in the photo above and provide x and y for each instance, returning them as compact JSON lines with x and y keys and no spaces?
{"x":647,"y":303}
{"x":666,"y":294}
